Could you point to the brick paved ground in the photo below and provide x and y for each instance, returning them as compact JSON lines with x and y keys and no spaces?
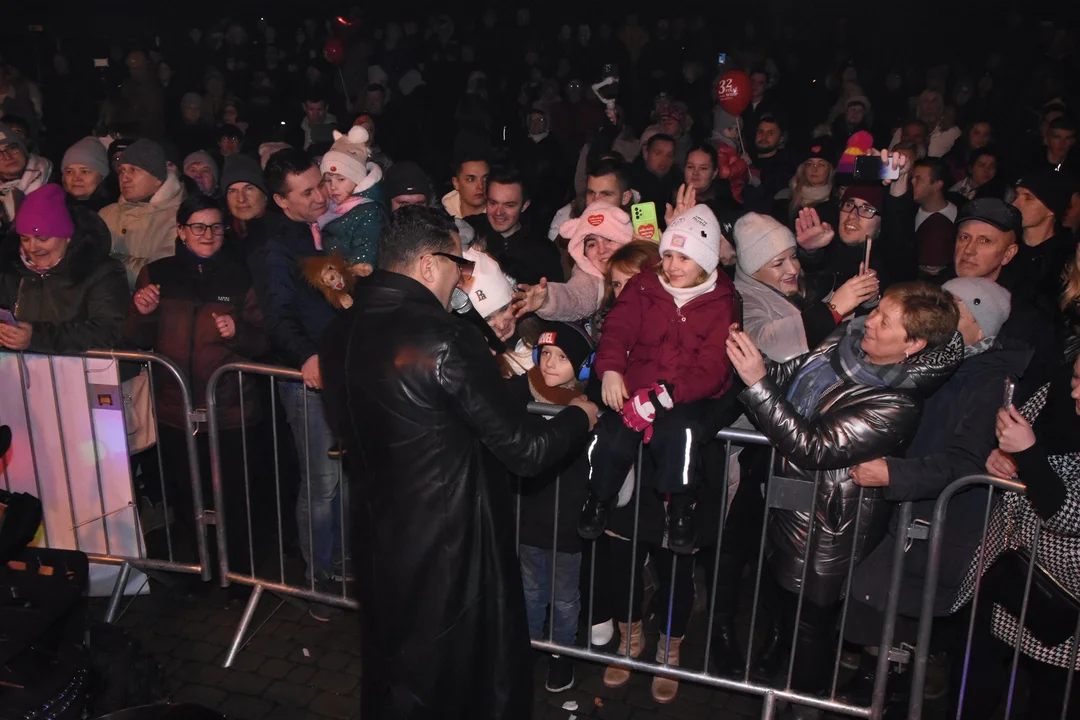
{"x":296,"y":668}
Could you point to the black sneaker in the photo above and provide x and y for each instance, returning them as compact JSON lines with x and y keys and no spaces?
{"x":594,"y":516}
{"x":320,"y":611}
{"x":560,"y":674}
{"x":682,"y":529}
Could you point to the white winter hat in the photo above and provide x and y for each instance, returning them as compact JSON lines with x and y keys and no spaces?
{"x":988,"y":302}
{"x":758,"y":239}
{"x":695,"y":234}
{"x":488,"y":289}
{"x":348,"y":156}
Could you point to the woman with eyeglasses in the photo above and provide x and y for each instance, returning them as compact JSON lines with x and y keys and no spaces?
{"x":868,"y":213}
{"x":198,"y":309}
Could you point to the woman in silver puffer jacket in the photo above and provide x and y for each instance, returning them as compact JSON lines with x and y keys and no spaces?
{"x":855,"y":398}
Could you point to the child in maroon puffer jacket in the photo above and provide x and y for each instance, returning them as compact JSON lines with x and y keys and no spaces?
{"x":664,"y":367}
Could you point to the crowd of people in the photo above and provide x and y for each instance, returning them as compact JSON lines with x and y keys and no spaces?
{"x":855,"y":267}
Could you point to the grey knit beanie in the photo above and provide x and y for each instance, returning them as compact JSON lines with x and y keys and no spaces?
{"x":148,"y":155}
{"x":988,"y":302}
{"x":242,"y":169}
{"x":89,"y":152}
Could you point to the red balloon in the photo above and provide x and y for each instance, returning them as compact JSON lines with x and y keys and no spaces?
{"x":334,"y":51}
{"x":733,"y":91}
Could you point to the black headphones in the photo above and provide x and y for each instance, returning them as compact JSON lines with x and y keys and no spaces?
{"x":583,"y":372}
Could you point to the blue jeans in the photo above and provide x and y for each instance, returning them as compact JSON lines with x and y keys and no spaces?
{"x":320,"y":477}
{"x":536,"y":577}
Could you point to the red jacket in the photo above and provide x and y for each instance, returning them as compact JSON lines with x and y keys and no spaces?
{"x":647,"y":338}
{"x":736,"y":167}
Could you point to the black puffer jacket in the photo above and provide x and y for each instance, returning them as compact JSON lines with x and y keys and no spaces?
{"x":432,"y":431}
{"x":79,"y":304}
{"x":852,"y":424}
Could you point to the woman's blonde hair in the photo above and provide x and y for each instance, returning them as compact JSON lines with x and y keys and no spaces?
{"x":1071,"y":279}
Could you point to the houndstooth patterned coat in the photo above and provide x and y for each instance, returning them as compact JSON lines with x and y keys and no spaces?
{"x":1012,"y":525}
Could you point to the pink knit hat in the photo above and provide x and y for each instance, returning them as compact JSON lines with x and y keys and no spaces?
{"x":601,"y":219}
{"x":44,"y":214}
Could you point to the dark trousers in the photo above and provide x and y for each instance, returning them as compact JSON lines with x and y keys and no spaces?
{"x":601,"y":585}
{"x":662,"y":561}
{"x":675,"y":447}
{"x":173,"y":442}
{"x":815,"y":647}
{"x":988,"y":668}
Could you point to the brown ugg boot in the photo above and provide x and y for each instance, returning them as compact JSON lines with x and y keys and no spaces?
{"x":665,"y":689}
{"x":615,"y":676}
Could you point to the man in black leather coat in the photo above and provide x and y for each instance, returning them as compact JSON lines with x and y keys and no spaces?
{"x":433,"y":435}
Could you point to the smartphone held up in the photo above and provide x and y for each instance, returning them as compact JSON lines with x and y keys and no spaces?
{"x":871,"y":167}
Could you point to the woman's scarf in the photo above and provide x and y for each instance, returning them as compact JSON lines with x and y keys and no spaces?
{"x":844,"y":363}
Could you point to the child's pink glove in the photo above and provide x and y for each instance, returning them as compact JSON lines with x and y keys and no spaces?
{"x":647,"y":404}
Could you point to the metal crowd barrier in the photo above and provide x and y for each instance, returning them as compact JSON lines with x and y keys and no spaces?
{"x":926,"y":615}
{"x":770,"y":694}
{"x":100,"y":396}
{"x":279,"y":584}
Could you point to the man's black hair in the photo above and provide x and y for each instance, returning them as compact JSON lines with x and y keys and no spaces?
{"x":509,"y":175}
{"x":1059,"y":123}
{"x":939,"y":170}
{"x":413,"y":231}
{"x":917,"y":121}
{"x":469,"y":156}
{"x":612,"y":166}
{"x":285,"y":162}
{"x":315,"y":94}
{"x":658,"y":137}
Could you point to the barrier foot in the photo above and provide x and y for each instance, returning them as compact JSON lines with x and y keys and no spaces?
{"x":245,"y":622}
{"x":117,"y":593}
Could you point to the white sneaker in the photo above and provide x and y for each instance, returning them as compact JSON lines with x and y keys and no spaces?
{"x":603,"y":632}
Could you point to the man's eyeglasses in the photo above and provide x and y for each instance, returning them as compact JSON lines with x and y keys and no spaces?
{"x":199,"y":229}
{"x":866,"y":212}
{"x":10,"y":150}
{"x":464,"y":266}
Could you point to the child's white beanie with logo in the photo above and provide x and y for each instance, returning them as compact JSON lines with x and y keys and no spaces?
{"x":695,"y":234}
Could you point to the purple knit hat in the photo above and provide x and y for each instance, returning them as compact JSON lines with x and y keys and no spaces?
{"x":44,"y":214}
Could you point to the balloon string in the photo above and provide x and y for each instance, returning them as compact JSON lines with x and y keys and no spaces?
{"x":344,"y":87}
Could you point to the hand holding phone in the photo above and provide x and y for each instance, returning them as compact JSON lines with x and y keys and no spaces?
{"x":7,"y":318}
{"x":1010,"y":391}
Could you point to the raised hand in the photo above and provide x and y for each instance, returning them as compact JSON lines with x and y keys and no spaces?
{"x":810,"y":232}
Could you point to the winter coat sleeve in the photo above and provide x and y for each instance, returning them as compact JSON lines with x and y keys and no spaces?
{"x":779,"y":339}
{"x":621,"y":329}
{"x":526,"y":444}
{"x":1047,"y":492}
{"x":711,"y":371}
{"x":276,"y":284}
{"x":106,"y":306}
{"x":924,"y":478}
{"x":250,"y":338}
{"x":141,"y":330}
{"x":574,"y":300}
{"x":875,"y":426}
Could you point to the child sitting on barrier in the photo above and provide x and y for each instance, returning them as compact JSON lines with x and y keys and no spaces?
{"x":550,"y":503}
{"x":663,"y":366}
